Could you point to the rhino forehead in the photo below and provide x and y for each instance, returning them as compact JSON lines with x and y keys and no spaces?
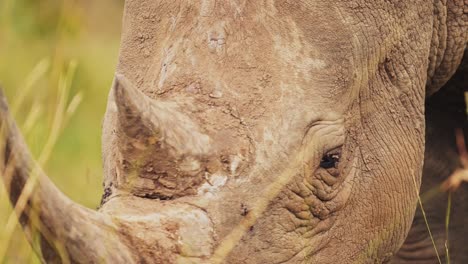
{"x":234,"y":77}
{"x":235,"y":49}
{"x":253,"y":132}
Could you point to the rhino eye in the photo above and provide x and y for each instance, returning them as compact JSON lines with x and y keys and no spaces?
{"x":330,"y":161}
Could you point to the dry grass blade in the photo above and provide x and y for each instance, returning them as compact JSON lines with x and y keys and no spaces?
{"x":261,"y":205}
{"x":453,"y":183}
{"x":461,"y":145}
{"x":32,"y":118}
{"x":427,"y":222}
{"x":455,"y":180}
{"x":36,"y":74}
{"x":61,"y":115}
{"x":460,"y":175}
{"x":447,"y":222}
{"x":74,"y":103}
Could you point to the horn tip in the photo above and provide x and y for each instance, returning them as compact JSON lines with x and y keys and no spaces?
{"x":117,"y":82}
{"x":127,"y":98}
{"x":121,"y":88}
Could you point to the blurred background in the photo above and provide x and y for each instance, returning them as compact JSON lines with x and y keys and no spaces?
{"x":57,"y":60}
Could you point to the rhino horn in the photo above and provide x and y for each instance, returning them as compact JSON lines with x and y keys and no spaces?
{"x":66,"y":229}
{"x":145,"y":121}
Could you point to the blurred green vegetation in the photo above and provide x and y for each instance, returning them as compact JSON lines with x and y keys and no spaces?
{"x":39,"y":42}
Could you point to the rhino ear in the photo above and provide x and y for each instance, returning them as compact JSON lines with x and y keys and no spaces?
{"x":145,"y":121}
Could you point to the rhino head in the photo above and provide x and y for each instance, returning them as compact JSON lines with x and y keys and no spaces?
{"x":252,"y":132}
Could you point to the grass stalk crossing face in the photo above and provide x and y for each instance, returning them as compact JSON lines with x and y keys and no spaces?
{"x":39,"y":40}
{"x":238,"y":132}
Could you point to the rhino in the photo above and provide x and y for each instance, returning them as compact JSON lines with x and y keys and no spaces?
{"x":267,"y":131}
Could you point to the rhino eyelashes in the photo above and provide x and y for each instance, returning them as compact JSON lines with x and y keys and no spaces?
{"x":330,"y":160}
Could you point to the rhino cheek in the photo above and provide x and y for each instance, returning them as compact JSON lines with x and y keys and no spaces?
{"x":303,"y":207}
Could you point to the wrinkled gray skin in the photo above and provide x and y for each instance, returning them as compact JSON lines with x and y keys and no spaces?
{"x":445,"y":112}
{"x":267,"y":132}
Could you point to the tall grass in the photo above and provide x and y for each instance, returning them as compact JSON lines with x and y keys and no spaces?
{"x":50,"y":49}
{"x":426,"y":222}
{"x":57,"y":64}
{"x":62,"y":114}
